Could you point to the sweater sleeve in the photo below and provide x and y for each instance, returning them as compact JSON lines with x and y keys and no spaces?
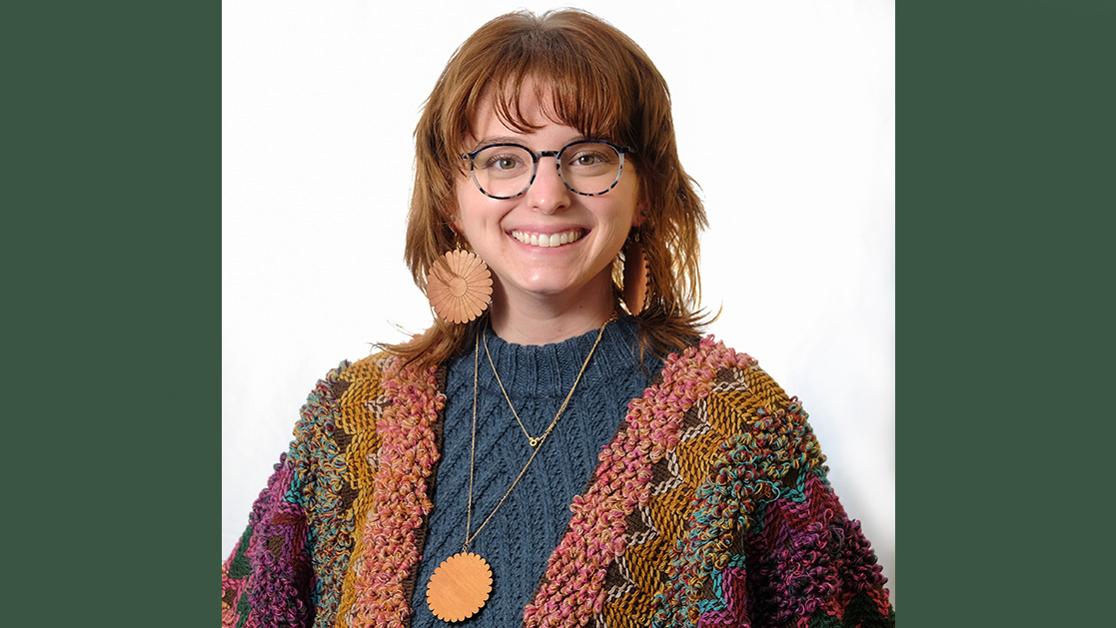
{"x":799,"y":559}
{"x":766,"y":541}
{"x":267,"y":581}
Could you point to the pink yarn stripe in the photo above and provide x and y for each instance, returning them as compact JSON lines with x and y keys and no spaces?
{"x":734,"y":586}
{"x":229,"y":611}
{"x":572,"y":591}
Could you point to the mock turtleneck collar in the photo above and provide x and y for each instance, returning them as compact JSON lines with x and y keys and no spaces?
{"x":550,"y":370}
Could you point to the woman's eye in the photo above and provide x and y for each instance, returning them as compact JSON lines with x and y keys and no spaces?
{"x":588,"y":158}
{"x":502,"y":162}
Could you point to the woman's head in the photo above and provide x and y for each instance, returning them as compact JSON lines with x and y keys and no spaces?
{"x":547,"y":209}
{"x":567,"y":69}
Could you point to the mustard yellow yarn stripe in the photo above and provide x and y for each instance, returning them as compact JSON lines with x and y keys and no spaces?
{"x":361,"y":405}
{"x":725,"y":413}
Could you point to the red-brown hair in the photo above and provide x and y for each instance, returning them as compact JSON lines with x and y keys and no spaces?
{"x":600,"y":82}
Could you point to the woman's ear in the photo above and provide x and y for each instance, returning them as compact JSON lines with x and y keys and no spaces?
{"x":640,"y":214}
{"x":643,"y":205}
{"x":449,"y":214}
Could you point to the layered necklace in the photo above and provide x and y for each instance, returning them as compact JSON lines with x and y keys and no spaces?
{"x":462,"y":584}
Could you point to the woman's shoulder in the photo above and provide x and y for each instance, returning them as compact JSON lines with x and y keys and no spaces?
{"x":724,"y":413}
{"x":728,"y":391}
{"x":367,"y":372}
{"x":348,"y":386}
{"x":712,"y":366}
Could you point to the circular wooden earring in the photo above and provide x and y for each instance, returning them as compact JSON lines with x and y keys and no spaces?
{"x":459,"y":286}
{"x":637,"y":272}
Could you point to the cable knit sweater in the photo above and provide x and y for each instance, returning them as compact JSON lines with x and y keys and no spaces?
{"x":706,"y":505}
{"x":527,"y":527}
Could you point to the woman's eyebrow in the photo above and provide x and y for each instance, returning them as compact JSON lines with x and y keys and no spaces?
{"x":499,"y":140}
{"x":521,"y":141}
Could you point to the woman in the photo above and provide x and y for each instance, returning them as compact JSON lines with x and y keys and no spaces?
{"x":562,"y":446}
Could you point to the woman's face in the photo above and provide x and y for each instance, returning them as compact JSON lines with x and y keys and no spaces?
{"x":502,"y":231}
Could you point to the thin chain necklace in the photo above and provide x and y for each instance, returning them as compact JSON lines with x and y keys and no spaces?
{"x":461,"y":585}
{"x":534,"y":441}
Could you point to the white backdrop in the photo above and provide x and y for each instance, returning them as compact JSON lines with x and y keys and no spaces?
{"x":784,"y":113}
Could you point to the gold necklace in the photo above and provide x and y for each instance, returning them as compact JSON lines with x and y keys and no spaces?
{"x":534,"y":441}
{"x":460,"y":586}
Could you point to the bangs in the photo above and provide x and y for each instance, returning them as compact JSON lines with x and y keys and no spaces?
{"x":579,"y":81}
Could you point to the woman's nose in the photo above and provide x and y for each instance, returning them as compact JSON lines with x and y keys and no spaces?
{"x":548,"y":193}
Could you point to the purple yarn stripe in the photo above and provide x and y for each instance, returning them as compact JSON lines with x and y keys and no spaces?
{"x":816,"y":558}
{"x":279,"y":581}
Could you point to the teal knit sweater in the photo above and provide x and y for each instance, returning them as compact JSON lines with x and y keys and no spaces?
{"x":526,"y":529}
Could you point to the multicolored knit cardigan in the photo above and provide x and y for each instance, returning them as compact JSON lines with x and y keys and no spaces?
{"x":710,"y":507}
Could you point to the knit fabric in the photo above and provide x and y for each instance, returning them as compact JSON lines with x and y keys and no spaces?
{"x":527,"y":527}
{"x":709,"y":506}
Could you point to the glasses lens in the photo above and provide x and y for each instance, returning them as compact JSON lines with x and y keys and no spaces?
{"x":503,"y":171}
{"x":590,"y":167}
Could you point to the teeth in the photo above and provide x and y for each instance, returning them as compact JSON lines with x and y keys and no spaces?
{"x":544,"y":240}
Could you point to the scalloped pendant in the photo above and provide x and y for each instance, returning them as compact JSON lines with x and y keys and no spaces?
{"x":459,"y":587}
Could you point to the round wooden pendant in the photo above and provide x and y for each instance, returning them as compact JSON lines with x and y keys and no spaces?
{"x":459,"y":587}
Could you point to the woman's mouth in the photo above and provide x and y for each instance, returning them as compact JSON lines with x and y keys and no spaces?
{"x":548,"y":240}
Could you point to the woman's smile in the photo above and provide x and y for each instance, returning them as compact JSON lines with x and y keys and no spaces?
{"x":547,"y":239}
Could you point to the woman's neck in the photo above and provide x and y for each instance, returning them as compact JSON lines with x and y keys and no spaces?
{"x":538,"y":320}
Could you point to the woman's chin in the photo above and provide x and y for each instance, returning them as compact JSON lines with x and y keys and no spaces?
{"x":547,"y":289}
{"x":556,"y":287}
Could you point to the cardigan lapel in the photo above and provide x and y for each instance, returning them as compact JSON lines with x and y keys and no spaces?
{"x":391,"y":534}
{"x":572,"y":590}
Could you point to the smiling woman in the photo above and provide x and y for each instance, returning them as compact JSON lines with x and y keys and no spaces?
{"x":563,"y":445}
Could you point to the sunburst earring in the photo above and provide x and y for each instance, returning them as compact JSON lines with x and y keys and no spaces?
{"x":637,"y":274}
{"x":459,"y":286}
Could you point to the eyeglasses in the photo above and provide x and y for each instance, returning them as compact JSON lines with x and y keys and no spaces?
{"x":587,"y":167}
